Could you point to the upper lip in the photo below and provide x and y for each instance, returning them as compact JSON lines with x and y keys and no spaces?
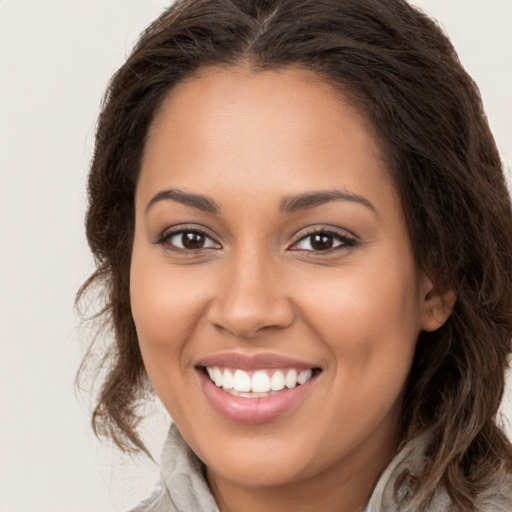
{"x":253,"y":362}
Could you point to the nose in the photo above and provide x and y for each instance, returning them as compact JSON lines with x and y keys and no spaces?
{"x":250,"y":298}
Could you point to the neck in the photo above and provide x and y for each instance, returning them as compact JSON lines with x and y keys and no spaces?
{"x":346,"y":487}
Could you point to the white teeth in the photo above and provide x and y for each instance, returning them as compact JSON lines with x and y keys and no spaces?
{"x":291,"y":379}
{"x":228,"y":380}
{"x":241,"y":381}
{"x":262,"y":382}
{"x":277,"y":381}
{"x":217,"y":377}
{"x":304,"y":376}
{"x":247,"y":395}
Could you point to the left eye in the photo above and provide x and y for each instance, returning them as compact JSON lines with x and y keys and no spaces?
{"x":190,"y":240}
{"x":322,"y":241}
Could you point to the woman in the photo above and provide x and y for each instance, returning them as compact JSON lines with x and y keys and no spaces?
{"x":302,"y":227}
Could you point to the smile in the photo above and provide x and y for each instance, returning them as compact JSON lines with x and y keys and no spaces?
{"x":256,"y":389}
{"x":257,"y":384}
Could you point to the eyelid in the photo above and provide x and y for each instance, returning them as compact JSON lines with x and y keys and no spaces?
{"x":348,"y":240}
{"x":169,"y":232}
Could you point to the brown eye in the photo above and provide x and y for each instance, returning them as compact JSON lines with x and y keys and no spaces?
{"x":192,"y":240}
{"x":323,"y":241}
{"x":189,"y":240}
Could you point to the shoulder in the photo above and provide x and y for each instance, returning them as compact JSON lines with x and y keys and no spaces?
{"x":183,"y":484}
{"x":157,"y":502}
{"x":394,"y":491}
{"x":498,"y":496}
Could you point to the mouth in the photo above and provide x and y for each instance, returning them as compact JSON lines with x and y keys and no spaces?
{"x":259,"y":383}
{"x":256,"y":389}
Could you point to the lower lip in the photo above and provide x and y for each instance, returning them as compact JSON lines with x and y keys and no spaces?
{"x":253,"y":410}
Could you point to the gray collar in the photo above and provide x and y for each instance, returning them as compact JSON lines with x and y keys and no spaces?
{"x":184,"y":488}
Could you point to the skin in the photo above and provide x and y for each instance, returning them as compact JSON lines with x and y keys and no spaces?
{"x":258,"y":285}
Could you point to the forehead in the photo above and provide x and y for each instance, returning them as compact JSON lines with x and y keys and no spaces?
{"x":242,"y":128}
{"x":217,"y":95}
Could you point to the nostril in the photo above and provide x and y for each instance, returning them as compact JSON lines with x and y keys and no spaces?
{"x":245,"y":312}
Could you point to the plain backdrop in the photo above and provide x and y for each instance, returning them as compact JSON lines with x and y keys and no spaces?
{"x":55,"y":60}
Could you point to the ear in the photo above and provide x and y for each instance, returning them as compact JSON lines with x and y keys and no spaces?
{"x":437,"y":305}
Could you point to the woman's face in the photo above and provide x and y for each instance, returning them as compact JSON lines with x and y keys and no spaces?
{"x":271,"y":250}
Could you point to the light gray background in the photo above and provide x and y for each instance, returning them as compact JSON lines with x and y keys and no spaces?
{"x":55,"y":60}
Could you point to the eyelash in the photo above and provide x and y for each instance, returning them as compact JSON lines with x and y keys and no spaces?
{"x":345,"y":241}
{"x":166,"y":236}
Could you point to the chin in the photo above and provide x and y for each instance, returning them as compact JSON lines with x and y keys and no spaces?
{"x":260,"y":473}
{"x":272,"y":458}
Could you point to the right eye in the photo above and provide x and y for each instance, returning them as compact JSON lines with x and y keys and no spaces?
{"x":188,"y":240}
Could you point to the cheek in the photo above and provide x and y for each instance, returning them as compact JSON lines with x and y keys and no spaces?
{"x":367,"y":315}
{"x":166,"y":306}
{"x":166,"y":300}
{"x":369,"y":322}
{"x":165,"y":312}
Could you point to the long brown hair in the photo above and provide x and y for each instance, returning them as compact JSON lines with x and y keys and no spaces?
{"x":402,"y":72}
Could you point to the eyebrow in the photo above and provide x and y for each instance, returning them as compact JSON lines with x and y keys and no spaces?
{"x":292,"y":204}
{"x":289,"y":204}
{"x":198,"y":201}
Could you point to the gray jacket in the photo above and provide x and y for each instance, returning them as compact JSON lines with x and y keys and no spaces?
{"x":183,"y":487}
